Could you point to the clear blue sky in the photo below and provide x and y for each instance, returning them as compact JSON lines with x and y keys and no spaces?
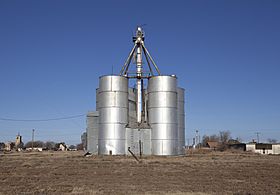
{"x":225,"y":53}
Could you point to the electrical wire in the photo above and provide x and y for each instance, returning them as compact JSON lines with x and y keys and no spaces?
{"x":41,"y":120}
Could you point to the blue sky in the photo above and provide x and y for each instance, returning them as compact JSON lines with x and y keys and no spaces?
{"x":226,"y":55}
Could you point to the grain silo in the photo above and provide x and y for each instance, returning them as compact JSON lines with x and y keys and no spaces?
{"x":113,"y":114}
{"x":162,"y":109}
{"x":147,"y":117}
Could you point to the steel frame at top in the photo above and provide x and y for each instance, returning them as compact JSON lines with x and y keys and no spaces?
{"x":137,"y":51}
{"x":138,"y":47}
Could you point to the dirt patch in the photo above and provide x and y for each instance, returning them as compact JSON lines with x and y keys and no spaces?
{"x":72,"y":173}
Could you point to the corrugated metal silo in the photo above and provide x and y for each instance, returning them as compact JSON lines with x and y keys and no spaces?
{"x":113,"y":114}
{"x":97,"y":99}
{"x":181,"y":120}
{"x":162,"y":113}
{"x":92,"y":132}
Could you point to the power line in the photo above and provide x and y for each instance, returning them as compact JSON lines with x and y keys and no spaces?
{"x":41,"y":120}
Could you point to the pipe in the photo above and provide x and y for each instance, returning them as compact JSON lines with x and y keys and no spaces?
{"x":139,"y":83}
{"x":151,"y":58}
{"x":151,"y":70}
{"x":128,"y":59}
{"x":133,"y":154}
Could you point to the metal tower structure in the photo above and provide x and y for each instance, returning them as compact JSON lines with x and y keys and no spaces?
{"x":137,"y":51}
{"x":147,"y":120}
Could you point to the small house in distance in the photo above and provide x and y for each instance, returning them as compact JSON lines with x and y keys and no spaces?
{"x":212,"y":145}
{"x":62,"y":147}
{"x":37,"y":149}
{"x":263,"y":148}
{"x":9,"y":146}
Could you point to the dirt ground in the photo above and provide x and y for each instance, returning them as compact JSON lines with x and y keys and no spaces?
{"x":72,"y":173}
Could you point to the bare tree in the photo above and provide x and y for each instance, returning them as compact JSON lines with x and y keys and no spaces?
{"x":80,"y":146}
{"x":72,"y":147}
{"x":272,"y":141}
{"x":224,"y":136}
{"x":212,"y":138}
{"x":36,"y":144}
{"x":2,"y":146}
{"x":20,"y":146}
{"x":50,"y":145}
{"x":239,"y":139}
{"x":205,"y":139}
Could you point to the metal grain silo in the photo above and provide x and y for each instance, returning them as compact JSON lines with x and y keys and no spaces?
{"x":162,"y":114}
{"x":113,"y":114}
{"x":181,"y":120}
{"x":97,"y":99}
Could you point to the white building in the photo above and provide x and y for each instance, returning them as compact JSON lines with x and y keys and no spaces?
{"x":262,"y":148}
{"x":37,"y":149}
{"x":62,"y":147}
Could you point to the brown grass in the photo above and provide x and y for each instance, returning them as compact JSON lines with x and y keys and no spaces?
{"x":71,"y":173}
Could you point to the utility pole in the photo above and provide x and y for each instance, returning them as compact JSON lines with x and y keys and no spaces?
{"x":196,"y":139}
{"x":33,"y":138}
{"x":258,"y":133}
{"x":199,"y":141}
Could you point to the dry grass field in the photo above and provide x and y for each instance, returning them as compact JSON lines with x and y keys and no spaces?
{"x":72,"y":173}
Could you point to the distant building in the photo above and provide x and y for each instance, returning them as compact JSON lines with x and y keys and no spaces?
{"x":263,"y":148}
{"x":62,"y":147}
{"x":18,"y":142}
{"x":9,"y":146}
{"x":212,"y":145}
{"x":38,"y":149}
{"x":92,"y":132}
{"x":84,"y":140}
{"x":237,"y":146}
